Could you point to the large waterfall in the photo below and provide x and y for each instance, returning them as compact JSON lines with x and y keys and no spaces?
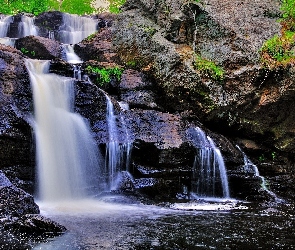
{"x":67,"y":156}
{"x":209,"y":172}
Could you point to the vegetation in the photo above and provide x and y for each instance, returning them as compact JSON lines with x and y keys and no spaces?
{"x":27,"y":52}
{"x":278,"y":51}
{"x":209,"y":68}
{"x":115,"y":5}
{"x":105,"y":75}
{"x":11,"y":7}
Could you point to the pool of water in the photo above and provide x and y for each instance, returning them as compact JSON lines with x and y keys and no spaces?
{"x":112,"y":223}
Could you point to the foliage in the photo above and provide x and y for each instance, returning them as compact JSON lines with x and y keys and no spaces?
{"x":27,"y":52}
{"x":35,"y":7}
{"x":115,"y":6}
{"x":209,"y":68}
{"x":104,"y":75}
{"x":288,"y":9}
{"x":77,"y":7}
{"x":278,"y":51}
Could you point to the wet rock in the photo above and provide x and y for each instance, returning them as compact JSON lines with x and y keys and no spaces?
{"x":49,"y":24}
{"x":14,"y":201}
{"x":37,"y":47}
{"x":97,"y":47}
{"x":16,"y":141}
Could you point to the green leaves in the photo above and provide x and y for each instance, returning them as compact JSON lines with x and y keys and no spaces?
{"x":288,"y":8}
{"x":104,"y":75}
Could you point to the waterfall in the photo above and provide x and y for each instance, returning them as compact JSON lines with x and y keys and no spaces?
{"x":250,"y":167}
{"x":4,"y":25}
{"x":27,"y":27}
{"x":67,"y":156}
{"x":117,"y":153}
{"x":75,"y":28}
{"x":71,"y":56}
{"x":209,"y":172}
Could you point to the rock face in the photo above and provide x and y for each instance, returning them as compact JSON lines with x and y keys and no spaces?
{"x":17,"y":156}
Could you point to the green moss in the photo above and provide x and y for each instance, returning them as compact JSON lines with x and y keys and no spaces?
{"x":104,"y":75}
{"x":209,"y":68}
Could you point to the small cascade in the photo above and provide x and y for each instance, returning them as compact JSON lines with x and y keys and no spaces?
{"x":8,"y":41}
{"x":67,"y":156}
{"x":209,"y":172}
{"x":250,"y":167}
{"x":117,"y":152}
{"x":51,"y":35}
{"x":75,"y":28}
{"x":27,"y":27}
{"x":4,"y":25}
{"x":70,"y":54}
{"x":77,"y":72}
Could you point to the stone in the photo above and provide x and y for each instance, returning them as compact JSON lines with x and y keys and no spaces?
{"x":37,"y":47}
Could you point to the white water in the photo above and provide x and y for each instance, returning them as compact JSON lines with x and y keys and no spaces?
{"x":7,"y":41}
{"x":71,"y":56}
{"x":4,"y":25}
{"x":67,"y":157}
{"x":27,"y":27}
{"x":75,"y":28}
{"x":116,"y":153}
{"x":251,"y":167}
{"x":209,"y":168}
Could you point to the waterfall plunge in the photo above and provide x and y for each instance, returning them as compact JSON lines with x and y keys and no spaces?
{"x":209,"y":172}
{"x":67,"y":157}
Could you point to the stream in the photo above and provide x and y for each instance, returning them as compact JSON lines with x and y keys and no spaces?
{"x":116,"y":222}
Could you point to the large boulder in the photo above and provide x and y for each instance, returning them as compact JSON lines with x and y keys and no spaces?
{"x":37,"y":47}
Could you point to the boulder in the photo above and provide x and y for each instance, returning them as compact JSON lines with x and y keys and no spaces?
{"x":37,"y":47}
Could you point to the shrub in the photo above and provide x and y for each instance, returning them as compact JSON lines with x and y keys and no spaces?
{"x":104,"y":75}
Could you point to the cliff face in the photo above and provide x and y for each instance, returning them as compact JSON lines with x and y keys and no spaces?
{"x":157,"y":44}
{"x":250,"y":104}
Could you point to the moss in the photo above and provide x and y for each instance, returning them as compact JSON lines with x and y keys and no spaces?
{"x":209,"y":68}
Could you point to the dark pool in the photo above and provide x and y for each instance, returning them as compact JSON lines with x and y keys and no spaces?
{"x":199,"y":225}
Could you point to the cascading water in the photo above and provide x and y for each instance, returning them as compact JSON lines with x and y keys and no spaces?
{"x":250,"y":167}
{"x":70,"y":54}
{"x":4,"y":25}
{"x":209,"y":172}
{"x":67,"y":156}
{"x":116,"y":153}
{"x":75,"y":28}
{"x":27,"y":27}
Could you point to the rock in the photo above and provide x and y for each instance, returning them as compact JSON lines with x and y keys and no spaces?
{"x":14,"y":201}
{"x":49,"y":24}
{"x":97,"y":47}
{"x":16,"y":140}
{"x":37,"y":47}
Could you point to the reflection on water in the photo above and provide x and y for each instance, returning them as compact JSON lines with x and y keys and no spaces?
{"x":223,"y":225}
